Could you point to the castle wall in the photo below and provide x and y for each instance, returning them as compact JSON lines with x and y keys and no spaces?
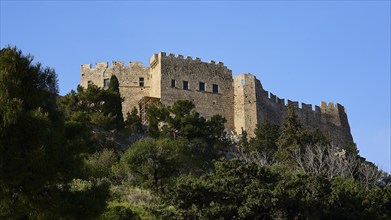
{"x":245,"y":108}
{"x":334,"y":123}
{"x":330,"y":119}
{"x":193,"y":71}
{"x":241,"y":100}
{"x":156,"y":76}
{"x":128,"y":78}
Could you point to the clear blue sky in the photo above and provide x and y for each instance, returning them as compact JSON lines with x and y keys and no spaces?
{"x":307,"y":51}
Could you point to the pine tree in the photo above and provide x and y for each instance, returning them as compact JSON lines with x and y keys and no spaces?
{"x":114,"y":84}
{"x":293,"y":137}
{"x":265,"y":140}
{"x":133,"y":122}
{"x":40,"y":154}
{"x":114,"y":102}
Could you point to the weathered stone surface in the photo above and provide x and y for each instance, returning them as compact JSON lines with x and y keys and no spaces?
{"x":330,"y":119}
{"x":128,"y":78}
{"x":241,"y":100}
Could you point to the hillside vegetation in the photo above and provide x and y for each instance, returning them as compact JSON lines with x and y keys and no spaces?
{"x":78,"y":157}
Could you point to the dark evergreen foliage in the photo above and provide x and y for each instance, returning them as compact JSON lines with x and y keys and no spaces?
{"x":64,"y":158}
{"x":265,"y":140}
{"x":114,"y":102}
{"x":40,"y":154}
{"x":133,"y":122}
{"x":207,"y":137}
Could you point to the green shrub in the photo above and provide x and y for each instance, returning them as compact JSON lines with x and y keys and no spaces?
{"x":119,"y":212}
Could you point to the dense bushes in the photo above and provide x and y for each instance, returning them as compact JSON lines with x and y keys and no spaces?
{"x":74,"y":157}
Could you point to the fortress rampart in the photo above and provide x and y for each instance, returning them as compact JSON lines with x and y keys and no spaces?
{"x":259,"y":104}
{"x":128,"y":78}
{"x":210,"y":85}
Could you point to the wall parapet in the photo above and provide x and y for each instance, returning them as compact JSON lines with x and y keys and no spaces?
{"x":180,"y":57}
{"x":324,"y":106}
{"x":114,"y":64}
{"x":255,"y":103}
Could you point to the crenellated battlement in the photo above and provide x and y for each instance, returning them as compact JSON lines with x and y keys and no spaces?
{"x":306,"y":107}
{"x":209,"y":84}
{"x":180,"y":57}
{"x":85,"y":67}
{"x":324,"y":106}
{"x":293,"y":104}
{"x":280,"y":105}
{"x":131,"y":67}
{"x":113,"y":64}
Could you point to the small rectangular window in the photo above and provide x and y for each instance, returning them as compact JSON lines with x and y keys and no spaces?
{"x":173,"y":83}
{"x":106,"y":83}
{"x":141,"y":81}
{"x":215,"y":88}
{"x":90,"y":83}
{"x":185,"y":85}
{"x":202,"y":86}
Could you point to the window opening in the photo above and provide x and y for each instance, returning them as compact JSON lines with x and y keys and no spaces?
{"x":106,"y":83}
{"x":173,"y":83}
{"x":201,"y":86}
{"x":185,"y":85}
{"x":141,"y":81}
{"x":215,"y":88}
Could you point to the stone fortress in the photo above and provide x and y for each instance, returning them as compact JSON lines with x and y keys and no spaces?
{"x":211,"y":87}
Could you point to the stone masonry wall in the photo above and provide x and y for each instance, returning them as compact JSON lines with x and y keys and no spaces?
{"x":128,"y":78}
{"x":194,"y":71}
{"x":241,"y":100}
{"x":330,"y":119}
{"x":245,"y":109}
{"x":156,"y":75}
